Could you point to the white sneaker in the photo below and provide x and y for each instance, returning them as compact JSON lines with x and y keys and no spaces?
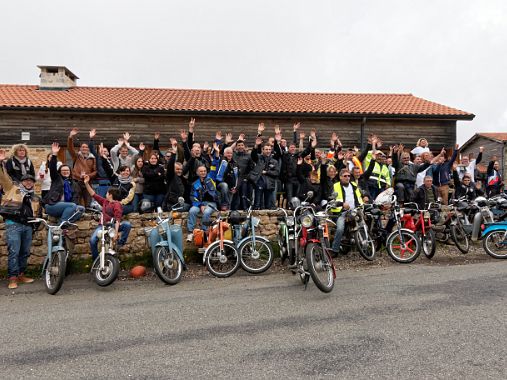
{"x":190,"y":237}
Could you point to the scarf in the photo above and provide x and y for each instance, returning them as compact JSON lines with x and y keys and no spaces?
{"x":67,"y":190}
{"x":125,"y":181}
{"x":23,"y":163}
{"x":24,"y":191}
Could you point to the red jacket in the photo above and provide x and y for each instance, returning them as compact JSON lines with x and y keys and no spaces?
{"x":109,"y":209}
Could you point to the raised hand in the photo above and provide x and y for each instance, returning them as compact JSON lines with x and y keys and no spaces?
{"x":296,"y":126}
{"x":260,"y":128}
{"x":314,"y":143}
{"x":205,"y":146}
{"x":481,"y":149}
{"x":442,"y":152}
{"x":300,"y":160}
{"x":184,"y":135}
{"x":313,"y":133}
{"x":302,"y":135}
{"x":73,"y":132}
{"x":121,"y":141}
{"x":228,"y":138}
{"x":456,"y":146}
{"x":55,"y":148}
{"x":216,"y":147}
{"x":101,"y":150}
{"x":334,"y":137}
{"x":218,"y":135}
{"x":156,"y":135}
{"x":340,"y":155}
{"x":126,"y":137}
{"x":258,"y":141}
{"x":93,"y":133}
{"x":241,"y":137}
{"x":141,"y":147}
{"x":191,"y":125}
{"x":277,"y":129}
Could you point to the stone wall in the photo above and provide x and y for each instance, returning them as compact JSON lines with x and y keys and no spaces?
{"x":136,"y":245}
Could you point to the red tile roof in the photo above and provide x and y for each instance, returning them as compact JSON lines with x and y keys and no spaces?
{"x":495,"y":135}
{"x":167,"y":100}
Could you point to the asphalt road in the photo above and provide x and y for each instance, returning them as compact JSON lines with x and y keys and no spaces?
{"x":396,"y":322}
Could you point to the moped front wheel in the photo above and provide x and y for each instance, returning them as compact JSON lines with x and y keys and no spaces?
{"x":460,"y":238}
{"x":428,"y":243}
{"x":320,"y":267}
{"x":54,"y":273}
{"x":256,"y":258}
{"x":365,"y":244}
{"x":222,"y":261}
{"x":107,"y":275}
{"x":167,"y":265}
{"x":495,"y":244}
{"x":403,"y":246}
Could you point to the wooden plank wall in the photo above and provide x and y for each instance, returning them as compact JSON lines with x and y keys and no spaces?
{"x":46,"y":127}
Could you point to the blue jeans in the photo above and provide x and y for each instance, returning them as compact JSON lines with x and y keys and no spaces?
{"x":192,"y":216}
{"x":64,"y":210}
{"x":264,"y":198}
{"x":127,"y":209}
{"x":156,"y":199}
{"x":137,"y":200}
{"x":101,"y":187}
{"x":340,"y":228}
{"x":224,"y":194}
{"x":19,"y":241}
{"x":124,"y":230}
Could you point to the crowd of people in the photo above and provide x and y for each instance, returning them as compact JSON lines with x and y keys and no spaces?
{"x":225,"y":174}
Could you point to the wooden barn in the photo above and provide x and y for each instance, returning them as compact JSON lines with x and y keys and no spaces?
{"x":41,"y":114}
{"x":495,"y":145}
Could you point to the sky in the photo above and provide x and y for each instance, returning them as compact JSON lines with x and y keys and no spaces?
{"x":448,"y":51}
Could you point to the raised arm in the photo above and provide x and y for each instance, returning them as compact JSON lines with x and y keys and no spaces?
{"x":70,"y":143}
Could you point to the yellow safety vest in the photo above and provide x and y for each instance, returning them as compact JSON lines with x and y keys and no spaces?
{"x":338,"y":189}
{"x":381,"y":174}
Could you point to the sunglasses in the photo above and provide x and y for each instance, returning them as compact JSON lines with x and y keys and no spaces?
{"x":346,"y":175}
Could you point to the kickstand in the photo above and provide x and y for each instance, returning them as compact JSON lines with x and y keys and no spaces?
{"x":307,"y":279}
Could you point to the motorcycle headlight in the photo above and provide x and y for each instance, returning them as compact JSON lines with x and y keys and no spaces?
{"x":353,"y":213}
{"x":112,"y":233}
{"x":56,"y":238}
{"x":290,"y":221}
{"x":307,"y":220}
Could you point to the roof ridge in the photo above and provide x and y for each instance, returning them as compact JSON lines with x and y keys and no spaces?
{"x":222,"y":90}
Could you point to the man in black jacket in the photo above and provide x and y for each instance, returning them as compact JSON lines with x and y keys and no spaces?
{"x":177,"y":185}
{"x":263,"y":175}
{"x":426,"y":194}
{"x":245,"y":165}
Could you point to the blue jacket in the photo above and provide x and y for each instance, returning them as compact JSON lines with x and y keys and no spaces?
{"x":199,"y":190}
{"x":442,"y":172}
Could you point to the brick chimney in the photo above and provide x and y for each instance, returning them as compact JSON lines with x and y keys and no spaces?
{"x":56,"y":78}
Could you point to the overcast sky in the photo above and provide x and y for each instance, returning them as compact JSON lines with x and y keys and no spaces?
{"x":451,"y":52}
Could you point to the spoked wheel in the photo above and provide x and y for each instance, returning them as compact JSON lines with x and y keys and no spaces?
{"x":55,"y":272}
{"x":403,"y":246}
{"x":365,"y":245}
{"x":460,"y":238}
{"x":256,"y":258}
{"x":167,"y":265}
{"x":428,"y":243}
{"x":320,"y":267}
{"x":495,"y":244}
{"x":222,"y":262}
{"x":107,"y":275}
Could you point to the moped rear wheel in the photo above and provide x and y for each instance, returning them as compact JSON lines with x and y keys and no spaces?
{"x":55,"y":272}
{"x":320,"y":267}
{"x":255,"y":258}
{"x":460,"y":238}
{"x":222,"y":262}
{"x":107,"y":275}
{"x":495,"y":244}
{"x":403,"y":246}
{"x":167,"y":265}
